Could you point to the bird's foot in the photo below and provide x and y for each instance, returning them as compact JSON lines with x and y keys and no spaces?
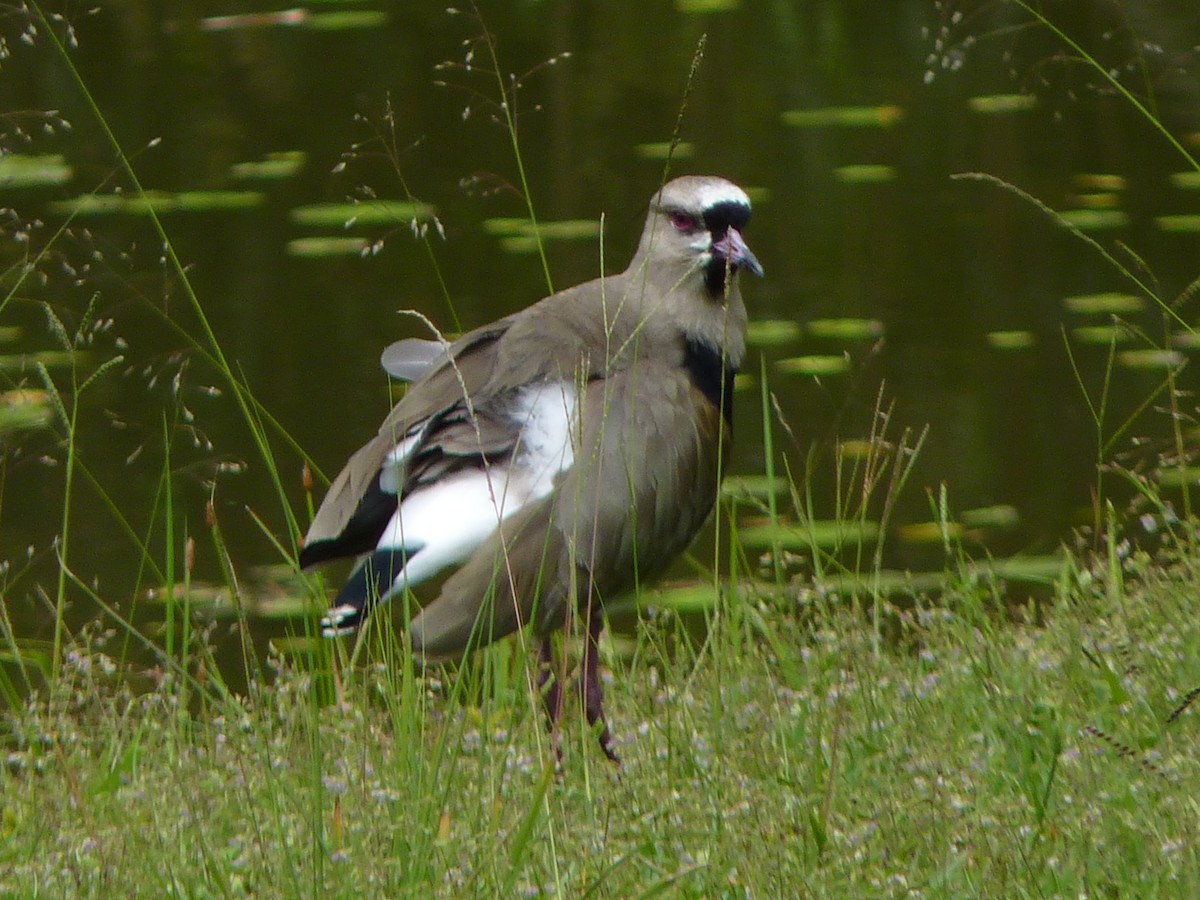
{"x":606,"y":744}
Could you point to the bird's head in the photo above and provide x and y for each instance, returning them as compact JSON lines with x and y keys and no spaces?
{"x":694,"y":230}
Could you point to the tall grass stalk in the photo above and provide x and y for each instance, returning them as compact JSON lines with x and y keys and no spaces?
{"x":1152,"y":119}
{"x":246,"y":403}
{"x":507,"y":104}
{"x":66,"y":411}
{"x":68,"y":419}
{"x":768,"y":435}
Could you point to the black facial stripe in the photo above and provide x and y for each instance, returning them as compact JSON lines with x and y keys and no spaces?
{"x":725,"y":215}
{"x":714,"y":276}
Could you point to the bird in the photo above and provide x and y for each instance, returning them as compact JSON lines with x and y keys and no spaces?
{"x":560,"y":457}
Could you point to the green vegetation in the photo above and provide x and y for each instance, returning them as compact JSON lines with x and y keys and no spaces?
{"x":1110,"y":303}
{"x":366,"y":212}
{"x":23,"y":171}
{"x":844,"y":117}
{"x":1090,"y":219}
{"x":817,"y":365}
{"x":663,"y":150}
{"x":865,"y":173}
{"x":1182,"y":223}
{"x":773,"y":332}
{"x":520,"y":235}
{"x":998,"y":104}
{"x":1015,"y":339}
{"x":323,"y":247}
{"x":992,"y":750}
{"x":148,"y":203}
{"x":846,"y":330}
{"x":273,"y":166}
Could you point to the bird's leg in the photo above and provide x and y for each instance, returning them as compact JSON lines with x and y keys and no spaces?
{"x":593,"y":693}
{"x":552,"y":695}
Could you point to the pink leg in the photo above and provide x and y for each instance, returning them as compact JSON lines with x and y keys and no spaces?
{"x":593,"y":693}
{"x":552,"y":695}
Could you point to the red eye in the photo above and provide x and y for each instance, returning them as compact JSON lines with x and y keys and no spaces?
{"x":683,"y":222}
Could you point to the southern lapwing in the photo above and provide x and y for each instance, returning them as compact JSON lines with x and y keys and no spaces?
{"x":561,"y":456}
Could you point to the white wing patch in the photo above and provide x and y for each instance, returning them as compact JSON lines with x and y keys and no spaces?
{"x":391,"y":472}
{"x":444,"y":523}
{"x":546,"y":413}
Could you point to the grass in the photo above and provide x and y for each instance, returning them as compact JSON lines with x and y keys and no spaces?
{"x":982,"y":754}
{"x":820,"y":740}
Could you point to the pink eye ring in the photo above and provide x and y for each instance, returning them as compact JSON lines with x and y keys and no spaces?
{"x":683,"y":222}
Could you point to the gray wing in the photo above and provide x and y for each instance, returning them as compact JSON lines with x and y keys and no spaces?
{"x":355,"y":507}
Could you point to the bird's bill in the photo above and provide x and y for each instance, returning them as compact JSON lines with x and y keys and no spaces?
{"x":732,"y":246}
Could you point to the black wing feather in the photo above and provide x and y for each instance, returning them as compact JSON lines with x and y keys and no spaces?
{"x":362,"y":531}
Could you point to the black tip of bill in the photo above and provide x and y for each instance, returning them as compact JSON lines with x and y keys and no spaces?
{"x":734,"y":248}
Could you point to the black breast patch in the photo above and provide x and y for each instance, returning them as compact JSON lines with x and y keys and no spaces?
{"x":711,"y":373}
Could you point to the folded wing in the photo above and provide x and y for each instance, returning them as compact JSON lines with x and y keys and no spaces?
{"x":643,"y":482}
